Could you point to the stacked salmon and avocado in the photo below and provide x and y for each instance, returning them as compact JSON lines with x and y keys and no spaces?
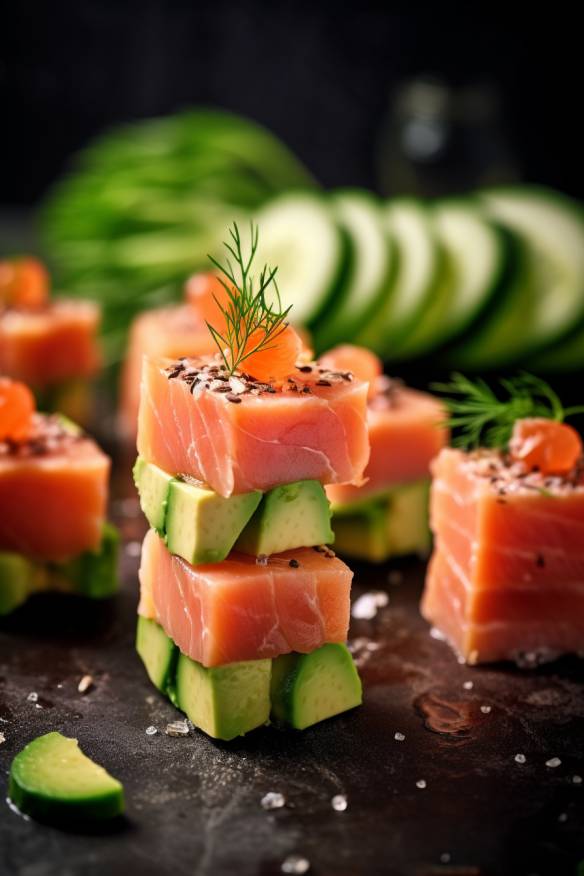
{"x":387,"y":516}
{"x":506,"y":579}
{"x":244,"y":609}
{"x":49,"y":344}
{"x":53,"y":495}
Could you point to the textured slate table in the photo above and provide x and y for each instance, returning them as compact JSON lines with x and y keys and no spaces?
{"x":193,"y":806}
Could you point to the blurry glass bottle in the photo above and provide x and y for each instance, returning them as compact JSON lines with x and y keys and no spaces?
{"x":442,"y":140}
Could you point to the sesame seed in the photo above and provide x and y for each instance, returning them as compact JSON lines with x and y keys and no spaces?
{"x":272,"y":800}
{"x":520,"y":758}
{"x":294,"y":564}
{"x":339,"y":802}
{"x":486,"y":710}
{"x":296,"y":865}
{"x":399,"y":737}
{"x":421,"y":784}
{"x":85,"y":683}
{"x":151,"y":731}
{"x":468,"y":685}
{"x":234,"y":399}
{"x":553,"y":762}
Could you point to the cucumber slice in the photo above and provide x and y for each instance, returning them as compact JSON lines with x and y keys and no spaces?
{"x":224,"y":701}
{"x":418,"y":271}
{"x":475,"y":252}
{"x":308,"y":688}
{"x":369,"y":273}
{"x":51,"y":779}
{"x":298,"y":235}
{"x":546,"y":300}
{"x":158,"y":653}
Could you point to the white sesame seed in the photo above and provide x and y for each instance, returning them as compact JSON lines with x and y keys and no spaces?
{"x":33,"y":697}
{"x":339,"y":802}
{"x":553,"y":762}
{"x":273,"y":800}
{"x":85,"y":683}
{"x":486,"y":710}
{"x":295,"y":864}
{"x":421,"y":784}
{"x":399,"y":737}
{"x":520,"y":758}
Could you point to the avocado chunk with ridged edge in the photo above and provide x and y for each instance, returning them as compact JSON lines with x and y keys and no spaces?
{"x":308,"y":688}
{"x":224,"y":701}
{"x":51,"y":779}
{"x":289,"y":516}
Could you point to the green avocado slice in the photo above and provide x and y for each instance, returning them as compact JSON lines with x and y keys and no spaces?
{"x":158,"y":652}
{"x":308,"y":688}
{"x":51,"y":779}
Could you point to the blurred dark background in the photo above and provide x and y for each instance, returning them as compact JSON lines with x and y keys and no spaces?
{"x":320,"y":75}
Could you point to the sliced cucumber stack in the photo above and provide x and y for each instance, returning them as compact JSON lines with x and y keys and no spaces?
{"x":298,"y":235}
{"x":369,"y":270}
{"x":418,"y":270}
{"x":546,"y":298}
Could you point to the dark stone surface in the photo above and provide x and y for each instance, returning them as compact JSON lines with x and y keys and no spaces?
{"x":193,"y":806}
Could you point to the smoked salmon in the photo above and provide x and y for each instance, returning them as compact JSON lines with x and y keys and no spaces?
{"x":506,"y":580}
{"x":53,"y":491}
{"x":238,"y":434}
{"x":243,"y":608}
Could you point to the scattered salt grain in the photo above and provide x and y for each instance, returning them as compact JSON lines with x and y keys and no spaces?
{"x":151,"y":731}
{"x":576,"y":780}
{"x":177,"y":728}
{"x":296,"y":864}
{"x":85,"y":683}
{"x":339,"y":802}
{"x":367,"y":605}
{"x":520,"y":758}
{"x":273,"y":800}
{"x":33,"y":697}
{"x":134,"y":548}
{"x":445,"y":858}
{"x":468,"y":685}
{"x":399,"y":737}
{"x":421,"y":784}
{"x":553,"y":762}
{"x":486,"y":710}
{"x":2,"y":738}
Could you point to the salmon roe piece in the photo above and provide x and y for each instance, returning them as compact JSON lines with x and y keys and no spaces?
{"x":208,"y":295}
{"x":548,"y":445}
{"x":17,"y":406}
{"x":24,"y":282}
{"x":278,"y":359}
{"x":364,"y":364}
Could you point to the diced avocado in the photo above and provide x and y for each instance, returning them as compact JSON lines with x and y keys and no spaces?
{"x":158,"y":652}
{"x":407,"y":519}
{"x":202,"y":526}
{"x":363,"y":535}
{"x":51,"y":779}
{"x":17,"y":577}
{"x":93,"y":573}
{"x":224,"y":701}
{"x":153,"y":485}
{"x":290,"y":516}
{"x":308,"y":688}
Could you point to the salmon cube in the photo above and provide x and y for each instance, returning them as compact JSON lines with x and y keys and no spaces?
{"x":243,"y":608}
{"x":237,"y":434}
{"x":506,"y":578}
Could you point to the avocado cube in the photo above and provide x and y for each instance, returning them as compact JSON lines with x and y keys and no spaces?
{"x":308,"y":688}
{"x":17,"y":577}
{"x":153,"y":485}
{"x":224,"y":701}
{"x":158,"y":652}
{"x":200,"y":525}
{"x":408,"y":531}
{"x":363,"y":535}
{"x":290,"y":516}
{"x":93,"y":573}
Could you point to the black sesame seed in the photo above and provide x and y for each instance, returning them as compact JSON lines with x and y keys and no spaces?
{"x":234,"y":399}
{"x":323,"y":383}
{"x":294,"y":564}
{"x":306,"y":369}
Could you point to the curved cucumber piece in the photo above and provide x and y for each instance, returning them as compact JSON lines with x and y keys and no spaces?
{"x":418,"y":270}
{"x":298,"y":235}
{"x":547,"y":298}
{"x":308,"y":688}
{"x":51,"y":779}
{"x":369,"y":271}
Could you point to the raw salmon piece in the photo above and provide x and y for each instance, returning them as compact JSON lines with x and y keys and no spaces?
{"x":51,"y":344}
{"x":240,"y":609}
{"x":405,"y":433}
{"x":255,"y":436}
{"x":167,"y":332}
{"x":53,"y":492}
{"x":507,"y":573}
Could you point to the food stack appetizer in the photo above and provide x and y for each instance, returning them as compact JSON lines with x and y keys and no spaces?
{"x":388,"y":515}
{"x":51,"y":345}
{"x":244,"y":610}
{"x":505,"y":581}
{"x":53,"y":495}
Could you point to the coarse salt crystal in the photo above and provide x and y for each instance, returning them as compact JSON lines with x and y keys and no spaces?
{"x":295,"y":864}
{"x":399,"y":737}
{"x":486,"y":710}
{"x":151,"y":731}
{"x":367,"y":605}
{"x":177,"y":728}
{"x":339,"y":802}
{"x":273,"y":800}
{"x":576,"y":780}
{"x":33,"y":697}
{"x":553,"y":762}
{"x":520,"y":758}
{"x":421,"y":784}
{"x":468,"y":685}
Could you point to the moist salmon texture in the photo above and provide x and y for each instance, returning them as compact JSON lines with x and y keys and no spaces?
{"x":239,"y":435}
{"x":506,"y":578}
{"x":53,"y":492}
{"x":241,"y":609}
{"x":405,"y":433}
{"x":167,"y":332}
{"x":50,"y":344}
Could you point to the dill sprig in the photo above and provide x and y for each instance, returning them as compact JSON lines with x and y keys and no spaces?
{"x":247,"y":312}
{"x":480,"y":418}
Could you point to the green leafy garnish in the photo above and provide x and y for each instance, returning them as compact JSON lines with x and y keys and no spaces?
{"x":481,"y":419}
{"x":247,"y":312}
